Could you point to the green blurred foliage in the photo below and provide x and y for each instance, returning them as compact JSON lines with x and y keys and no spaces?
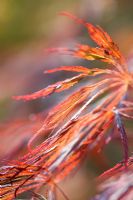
{"x":22,"y":21}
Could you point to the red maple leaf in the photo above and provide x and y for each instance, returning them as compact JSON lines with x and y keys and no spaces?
{"x":75,"y":126}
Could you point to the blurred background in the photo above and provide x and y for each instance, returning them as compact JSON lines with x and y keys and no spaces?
{"x":27,"y":29}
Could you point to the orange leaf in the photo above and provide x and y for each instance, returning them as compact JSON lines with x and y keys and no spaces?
{"x":102,"y":39}
{"x":90,"y":53}
{"x":57,"y":87}
{"x":69,"y":68}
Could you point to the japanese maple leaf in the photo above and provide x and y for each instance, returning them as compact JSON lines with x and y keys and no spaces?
{"x":79,"y":123}
{"x":116,"y":183}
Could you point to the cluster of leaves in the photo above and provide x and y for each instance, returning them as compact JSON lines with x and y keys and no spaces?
{"x":78,"y":124}
{"x":116,"y":183}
